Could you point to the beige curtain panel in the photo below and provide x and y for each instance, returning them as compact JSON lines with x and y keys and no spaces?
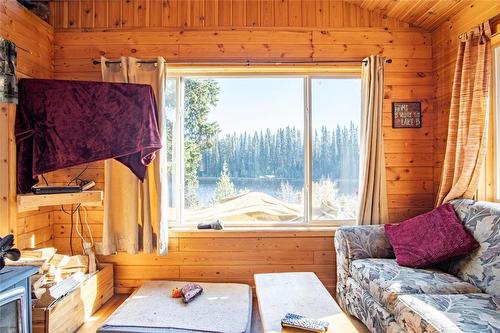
{"x":135,"y":216}
{"x":372,"y":185}
{"x":467,"y":141}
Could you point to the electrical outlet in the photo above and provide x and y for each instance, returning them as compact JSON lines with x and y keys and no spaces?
{"x":87,"y":247}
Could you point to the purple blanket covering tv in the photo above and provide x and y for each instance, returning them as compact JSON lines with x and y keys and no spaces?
{"x":60,"y":124}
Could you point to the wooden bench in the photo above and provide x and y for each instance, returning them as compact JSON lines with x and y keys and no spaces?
{"x":299,"y":293}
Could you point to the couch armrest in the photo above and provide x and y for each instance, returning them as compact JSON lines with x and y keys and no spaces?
{"x":358,"y":242}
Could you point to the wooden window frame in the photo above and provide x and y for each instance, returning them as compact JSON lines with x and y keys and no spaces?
{"x":307,"y":73}
{"x":489,"y":181}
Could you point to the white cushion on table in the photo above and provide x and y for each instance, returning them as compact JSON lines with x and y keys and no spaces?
{"x":222,"y":307}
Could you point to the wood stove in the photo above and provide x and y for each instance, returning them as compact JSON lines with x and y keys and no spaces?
{"x":15,"y":299}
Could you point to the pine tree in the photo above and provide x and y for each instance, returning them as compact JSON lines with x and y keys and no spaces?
{"x":281,"y":153}
{"x":333,"y":156}
{"x":225,"y":187}
{"x":199,"y":134}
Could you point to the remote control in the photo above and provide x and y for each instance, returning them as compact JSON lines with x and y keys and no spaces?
{"x":301,"y":322}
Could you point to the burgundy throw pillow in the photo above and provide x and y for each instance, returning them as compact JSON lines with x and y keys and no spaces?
{"x":430,"y":238}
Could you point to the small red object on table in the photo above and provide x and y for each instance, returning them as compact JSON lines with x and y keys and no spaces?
{"x":176,"y":293}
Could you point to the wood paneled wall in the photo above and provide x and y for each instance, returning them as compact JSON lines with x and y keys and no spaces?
{"x":118,"y":14}
{"x":8,"y":213}
{"x":237,"y":256}
{"x":34,"y":39}
{"x":219,"y":257}
{"x":444,"y":46}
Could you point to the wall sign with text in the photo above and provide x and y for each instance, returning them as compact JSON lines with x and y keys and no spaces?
{"x":406,"y":115}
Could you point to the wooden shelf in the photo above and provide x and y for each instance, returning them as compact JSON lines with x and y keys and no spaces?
{"x":26,"y":202}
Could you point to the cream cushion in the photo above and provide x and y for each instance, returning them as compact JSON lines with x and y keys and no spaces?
{"x":222,"y":308}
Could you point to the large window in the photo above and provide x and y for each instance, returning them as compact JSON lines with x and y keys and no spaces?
{"x":263,"y":150}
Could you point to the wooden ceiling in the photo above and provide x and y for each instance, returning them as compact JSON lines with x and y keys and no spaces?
{"x":426,"y":14}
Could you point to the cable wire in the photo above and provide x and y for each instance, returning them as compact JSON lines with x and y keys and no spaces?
{"x":71,"y":214}
{"x":77,"y":178}
{"x":45,"y":179}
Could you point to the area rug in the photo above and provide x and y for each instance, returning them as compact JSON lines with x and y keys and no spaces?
{"x":221,"y":308}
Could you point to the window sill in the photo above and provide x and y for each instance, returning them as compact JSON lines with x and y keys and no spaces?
{"x":255,"y":231}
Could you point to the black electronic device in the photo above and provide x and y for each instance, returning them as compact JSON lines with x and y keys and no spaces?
{"x":55,"y":189}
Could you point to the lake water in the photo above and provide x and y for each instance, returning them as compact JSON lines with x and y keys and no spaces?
{"x":269,"y":186}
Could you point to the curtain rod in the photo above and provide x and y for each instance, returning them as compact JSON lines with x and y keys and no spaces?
{"x":492,"y":20}
{"x":152,"y":61}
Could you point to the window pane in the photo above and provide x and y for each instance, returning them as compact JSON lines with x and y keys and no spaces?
{"x":243,"y":149}
{"x":336,"y":107}
{"x":170,"y":125}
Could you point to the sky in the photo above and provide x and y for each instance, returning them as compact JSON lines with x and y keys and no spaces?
{"x":254,"y":104}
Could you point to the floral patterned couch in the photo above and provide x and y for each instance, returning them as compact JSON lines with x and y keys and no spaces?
{"x":462,"y":295}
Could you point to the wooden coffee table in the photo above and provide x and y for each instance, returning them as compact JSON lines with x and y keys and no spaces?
{"x":300,"y":293}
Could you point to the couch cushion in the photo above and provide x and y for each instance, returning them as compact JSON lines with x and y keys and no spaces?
{"x":430,"y":238}
{"x":385,"y":280}
{"x":482,"y":266}
{"x":448,"y":313}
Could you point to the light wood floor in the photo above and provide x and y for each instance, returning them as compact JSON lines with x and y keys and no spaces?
{"x":107,"y":309}
{"x":102,"y":314}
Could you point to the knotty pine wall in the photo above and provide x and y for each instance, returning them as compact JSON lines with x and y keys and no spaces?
{"x":34,"y":39}
{"x":346,"y":33}
{"x":444,"y":47}
{"x":119,"y":14}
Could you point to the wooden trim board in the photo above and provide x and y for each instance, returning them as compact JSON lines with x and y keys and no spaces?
{"x":26,"y":202}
